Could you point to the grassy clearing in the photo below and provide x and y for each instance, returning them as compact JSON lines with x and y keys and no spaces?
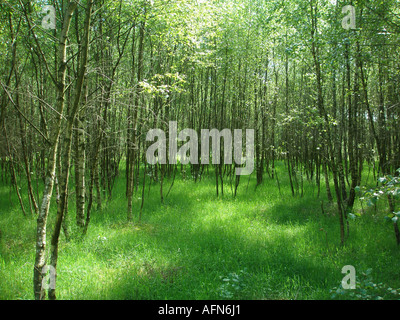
{"x":261,"y":245}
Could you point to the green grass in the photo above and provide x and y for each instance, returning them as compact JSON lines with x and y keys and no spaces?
{"x":260,"y":245}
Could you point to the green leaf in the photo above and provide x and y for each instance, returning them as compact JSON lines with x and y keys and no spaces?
{"x":372,"y":201}
{"x":382,"y":179}
{"x":352,"y":216}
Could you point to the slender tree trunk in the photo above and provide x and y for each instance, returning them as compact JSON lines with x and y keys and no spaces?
{"x":66,"y":157}
{"x":320,"y":103}
{"x":40,"y":259}
{"x":328,"y":188}
{"x":80,"y":161}
{"x":132,"y":156}
{"x":13,"y":174}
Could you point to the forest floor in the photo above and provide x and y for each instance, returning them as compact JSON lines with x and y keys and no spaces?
{"x":263,"y":244}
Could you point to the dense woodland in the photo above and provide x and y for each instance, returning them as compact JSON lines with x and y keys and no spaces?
{"x":77,"y":101}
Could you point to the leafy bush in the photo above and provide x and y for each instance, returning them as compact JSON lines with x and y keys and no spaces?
{"x":366,"y":289}
{"x":389,"y":186}
{"x":233,"y":284}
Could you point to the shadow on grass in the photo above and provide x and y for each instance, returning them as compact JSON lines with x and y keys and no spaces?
{"x":211,"y":256}
{"x":186,"y":250}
